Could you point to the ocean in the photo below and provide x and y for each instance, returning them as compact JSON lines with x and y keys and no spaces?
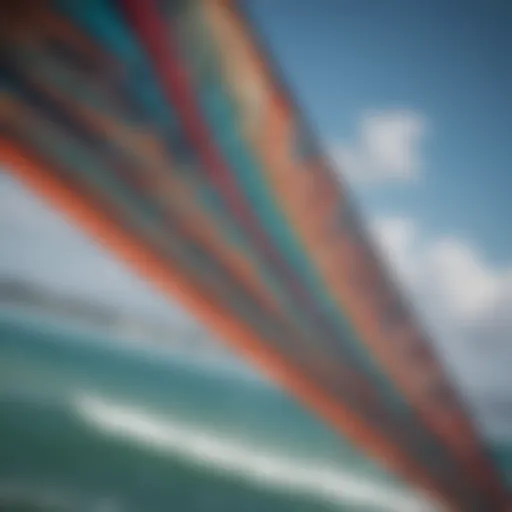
{"x":90,"y":423}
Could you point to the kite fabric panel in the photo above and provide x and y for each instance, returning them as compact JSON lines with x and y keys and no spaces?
{"x":162,"y":129}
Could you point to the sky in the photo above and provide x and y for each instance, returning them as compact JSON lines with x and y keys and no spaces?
{"x":439,"y":72}
{"x":411,"y":101}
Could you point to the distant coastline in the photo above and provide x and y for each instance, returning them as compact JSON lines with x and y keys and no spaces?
{"x":191,"y":337}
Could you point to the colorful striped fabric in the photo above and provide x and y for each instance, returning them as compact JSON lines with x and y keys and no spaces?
{"x":162,"y":129}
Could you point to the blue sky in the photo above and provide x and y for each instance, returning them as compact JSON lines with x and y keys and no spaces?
{"x":411,"y":99}
{"x":445,"y":61}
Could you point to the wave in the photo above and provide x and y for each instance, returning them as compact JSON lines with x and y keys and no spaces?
{"x":270,"y":470}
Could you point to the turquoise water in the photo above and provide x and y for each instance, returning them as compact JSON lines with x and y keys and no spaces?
{"x":88,"y":424}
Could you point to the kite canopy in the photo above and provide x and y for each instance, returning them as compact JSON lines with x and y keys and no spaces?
{"x":162,"y":129}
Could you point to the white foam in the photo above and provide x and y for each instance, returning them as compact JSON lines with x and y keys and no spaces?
{"x":251,"y":464}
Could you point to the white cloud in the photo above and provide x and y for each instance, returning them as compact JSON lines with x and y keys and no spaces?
{"x":387,"y":147}
{"x":447,"y":270}
{"x":467,"y":306}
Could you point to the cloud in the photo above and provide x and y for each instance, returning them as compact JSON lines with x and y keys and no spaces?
{"x":467,"y":306}
{"x":446,"y":268}
{"x":387,"y":147}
